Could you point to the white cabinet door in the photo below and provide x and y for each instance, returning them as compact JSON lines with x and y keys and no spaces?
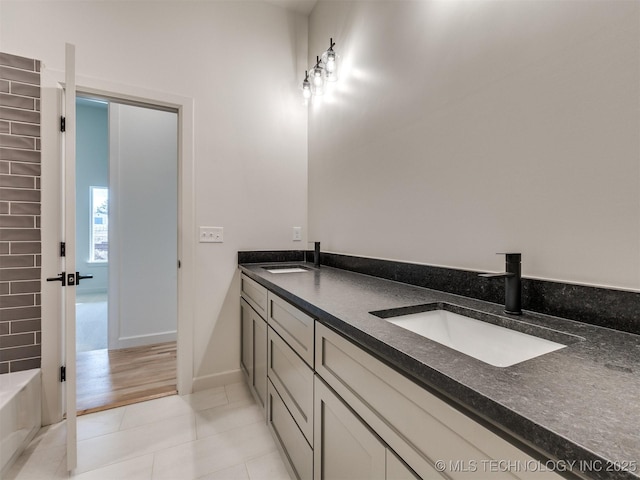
{"x":345,"y":448}
{"x":246,"y":339}
{"x":397,"y":470}
{"x":260,"y":359}
{"x":253,"y":355}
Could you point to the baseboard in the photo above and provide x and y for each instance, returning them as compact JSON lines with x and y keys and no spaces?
{"x":217,"y":380}
{"x":90,"y":291}
{"x":141,"y":340}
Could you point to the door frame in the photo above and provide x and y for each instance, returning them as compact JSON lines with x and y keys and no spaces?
{"x":51,"y":327}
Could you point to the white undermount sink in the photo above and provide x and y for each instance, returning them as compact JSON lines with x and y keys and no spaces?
{"x":492,"y":344}
{"x":286,"y":269}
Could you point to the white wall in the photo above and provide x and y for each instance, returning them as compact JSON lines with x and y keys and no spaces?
{"x":143,"y":227}
{"x":238,"y":61}
{"x":92,"y":170}
{"x":463,"y":128}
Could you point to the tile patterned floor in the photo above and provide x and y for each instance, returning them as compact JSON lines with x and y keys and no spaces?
{"x":212,"y":434}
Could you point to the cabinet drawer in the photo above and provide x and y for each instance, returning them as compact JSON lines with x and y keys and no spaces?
{"x":255,"y":294}
{"x":345,"y":447}
{"x":297,"y":453}
{"x":294,"y":326}
{"x":420,"y":427}
{"x":293,"y":380}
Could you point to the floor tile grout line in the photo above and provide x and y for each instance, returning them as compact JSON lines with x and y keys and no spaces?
{"x":260,"y":455}
{"x":124,"y":414}
{"x":132,"y":428}
{"x":229,"y":429}
{"x":128,"y":459}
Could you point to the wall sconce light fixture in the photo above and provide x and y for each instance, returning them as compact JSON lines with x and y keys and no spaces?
{"x":324,"y":70}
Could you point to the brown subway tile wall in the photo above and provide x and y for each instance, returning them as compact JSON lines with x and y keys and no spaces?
{"x":32,"y":286}
{"x":17,"y":248}
{"x":19,"y":208}
{"x":20,"y":311}
{"x":25,"y":169}
{"x":8,"y":261}
{"x":15,"y":181}
{"x":25,"y":129}
{"x":26,"y":364}
{"x":8,"y":301}
{"x":16,"y":221}
{"x":18,"y":62}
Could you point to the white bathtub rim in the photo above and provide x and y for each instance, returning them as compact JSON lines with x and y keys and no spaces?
{"x":12,"y":383}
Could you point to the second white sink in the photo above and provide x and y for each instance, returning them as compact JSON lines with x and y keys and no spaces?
{"x":492,"y":344}
{"x":286,"y":269}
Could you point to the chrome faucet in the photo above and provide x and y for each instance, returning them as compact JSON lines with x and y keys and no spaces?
{"x":512,"y":283}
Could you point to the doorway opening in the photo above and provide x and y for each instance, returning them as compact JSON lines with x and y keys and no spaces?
{"x":126,"y":239}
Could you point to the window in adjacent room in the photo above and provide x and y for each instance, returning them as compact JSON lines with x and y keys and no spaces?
{"x":99,"y":225}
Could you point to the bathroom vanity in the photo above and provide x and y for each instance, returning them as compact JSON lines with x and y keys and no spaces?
{"x":350,"y":394}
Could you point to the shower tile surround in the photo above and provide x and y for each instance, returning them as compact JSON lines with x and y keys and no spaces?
{"x":20,"y":314}
{"x":604,"y":307}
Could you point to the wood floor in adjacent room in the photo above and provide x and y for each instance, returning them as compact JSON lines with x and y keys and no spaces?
{"x":113,"y":378}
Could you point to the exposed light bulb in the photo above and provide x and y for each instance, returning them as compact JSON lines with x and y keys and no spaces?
{"x":330,"y":63}
{"x":317,"y":76}
{"x":306,"y":86}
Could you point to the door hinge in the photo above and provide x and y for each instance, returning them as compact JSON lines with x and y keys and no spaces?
{"x":63,"y":124}
{"x":179,"y":264}
{"x":63,"y":249}
{"x":63,"y":373}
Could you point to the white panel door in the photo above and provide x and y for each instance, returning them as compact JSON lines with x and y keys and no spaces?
{"x":69,"y":229}
{"x":143,"y":225}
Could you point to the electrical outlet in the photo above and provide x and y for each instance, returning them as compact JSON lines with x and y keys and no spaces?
{"x":297,"y":234}
{"x":211,"y":235}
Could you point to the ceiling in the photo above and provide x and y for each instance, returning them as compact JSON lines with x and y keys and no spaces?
{"x":300,"y":6}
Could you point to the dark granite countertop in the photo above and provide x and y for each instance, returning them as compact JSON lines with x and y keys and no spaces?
{"x":578,"y":404}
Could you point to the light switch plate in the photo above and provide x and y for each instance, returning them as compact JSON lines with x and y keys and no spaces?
{"x":211,"y":234}
{"x":297,"y":234}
